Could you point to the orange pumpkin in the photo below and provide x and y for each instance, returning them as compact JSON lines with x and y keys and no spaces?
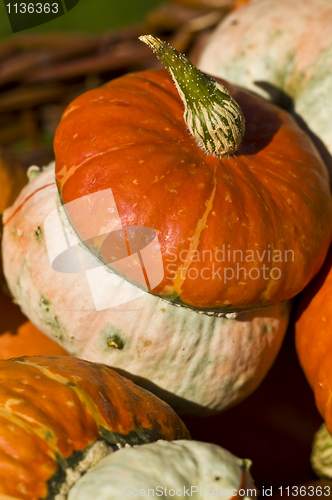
{"x":61,"y":415}
{"x":236,"y":231}
{"x":314,"y":339}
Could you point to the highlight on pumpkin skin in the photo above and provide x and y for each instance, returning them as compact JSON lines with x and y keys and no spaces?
{"x":213,"y":117}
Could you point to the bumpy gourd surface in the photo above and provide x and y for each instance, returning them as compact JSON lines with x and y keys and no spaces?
{"x":177,"y":466}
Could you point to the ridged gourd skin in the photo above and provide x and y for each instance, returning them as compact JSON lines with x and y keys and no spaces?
{"x":269,"y":203}
{"x":197,"y":363}
{"x":183,"y":466}
{"x":314,"y":339}
{"x":281,"y":50}
{"x":61,"y":415}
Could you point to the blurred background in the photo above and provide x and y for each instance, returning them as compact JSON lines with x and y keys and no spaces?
{"x":42,"y":69}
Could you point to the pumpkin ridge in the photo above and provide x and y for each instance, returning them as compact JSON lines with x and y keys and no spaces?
{"x":55,"y":438}
{"x":143,"y":77}
{"x":19,"y":420}
{"x":74,"y":168}
{"x":41,"y":431}
{"x":82,"y":395}
{"x":263,"y":195}
{"x":194,"y":243}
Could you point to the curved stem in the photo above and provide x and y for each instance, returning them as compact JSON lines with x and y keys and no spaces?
{"x":213,"y":117}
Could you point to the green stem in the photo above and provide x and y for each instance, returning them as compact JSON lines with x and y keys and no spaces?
{"x":213,"y":117}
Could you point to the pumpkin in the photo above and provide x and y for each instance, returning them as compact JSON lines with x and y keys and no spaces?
{"x":19,"y":337}
{"x":313,"y":338}
{"x":196,"y":362}
{"x":313,"y":344}
{"x":61,"y":415}
{"x":233,"y":230}
{"x":176,"y":468}
{"x":283,"y":51}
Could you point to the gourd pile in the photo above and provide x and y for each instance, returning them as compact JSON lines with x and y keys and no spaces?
{"x":157,"y":259}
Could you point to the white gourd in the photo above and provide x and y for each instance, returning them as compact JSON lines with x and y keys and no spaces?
{"x":167,"y":469}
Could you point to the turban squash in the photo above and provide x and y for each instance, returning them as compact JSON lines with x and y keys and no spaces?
{"x":130,"y":137}
{"x":60,"y":415}
{"x":197,"y":363}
